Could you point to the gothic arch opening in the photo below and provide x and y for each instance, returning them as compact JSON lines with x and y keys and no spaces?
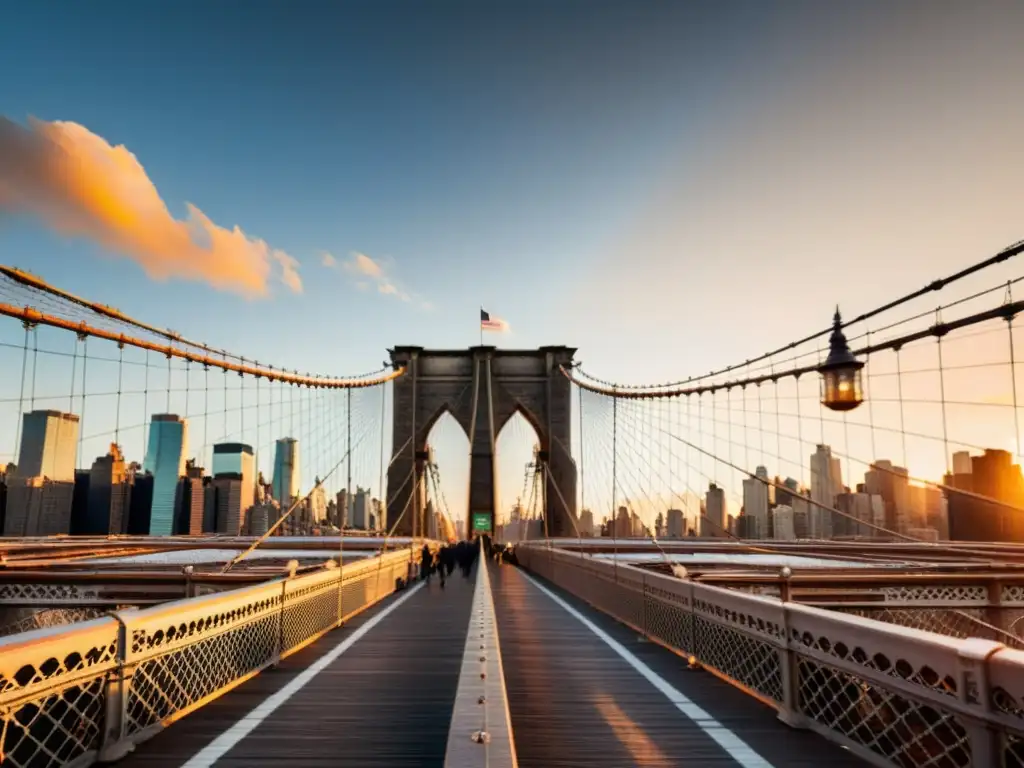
{"x":446,"y":477}
{"x":520,"y":491}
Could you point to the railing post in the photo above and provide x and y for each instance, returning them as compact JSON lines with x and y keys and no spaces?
{"x":643,"y":605}
{"x":691,"y":650}
{"x":975,"y":690}
{"x":188,"y":571}
{"x":789,"y":663}
{"x":114,"y":744}
{"x":994,"y":612}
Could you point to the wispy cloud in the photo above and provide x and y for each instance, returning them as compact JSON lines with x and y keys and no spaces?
{"x":79,"y":185}
{"x":370,"y":273}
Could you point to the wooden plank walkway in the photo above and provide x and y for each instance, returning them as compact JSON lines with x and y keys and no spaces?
{"x":576,"y":702}
{"x":386,"y":701}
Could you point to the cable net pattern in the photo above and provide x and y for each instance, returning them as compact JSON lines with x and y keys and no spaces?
{"x":750,"y":453}
{"x":901,"y":698}
{"x":77,"y":693}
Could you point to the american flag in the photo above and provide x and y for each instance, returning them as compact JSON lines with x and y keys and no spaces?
{"x":488,"y":323}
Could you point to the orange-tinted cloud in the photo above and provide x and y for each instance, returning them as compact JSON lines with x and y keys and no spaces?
{"x":80,"y":185}
{"x":371,"y":273}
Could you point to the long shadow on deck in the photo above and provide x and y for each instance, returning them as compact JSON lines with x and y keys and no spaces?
{"x":575,"y":702}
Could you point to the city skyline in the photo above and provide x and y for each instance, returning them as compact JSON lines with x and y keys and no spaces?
{"x":592,"y":218}
{"x":719,"y":510}
{"x":165,"y":494}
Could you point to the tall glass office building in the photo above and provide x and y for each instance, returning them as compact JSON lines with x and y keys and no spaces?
{"x":165,"y":460}
{"x":49,"y":444}
{"x":286,"y":470}
{"x":234,"y":475}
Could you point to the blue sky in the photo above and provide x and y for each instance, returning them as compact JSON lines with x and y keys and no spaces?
{"x":669,"y":187}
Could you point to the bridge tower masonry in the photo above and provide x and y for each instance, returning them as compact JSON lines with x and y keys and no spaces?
{"x":482,"y":388}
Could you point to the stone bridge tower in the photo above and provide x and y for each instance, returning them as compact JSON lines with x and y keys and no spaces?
{"x":482,"y":388}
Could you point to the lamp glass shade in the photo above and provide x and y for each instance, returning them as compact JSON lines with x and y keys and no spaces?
{"x":841,"y":387}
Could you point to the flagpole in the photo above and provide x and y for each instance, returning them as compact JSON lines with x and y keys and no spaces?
{"x":481,"y":326}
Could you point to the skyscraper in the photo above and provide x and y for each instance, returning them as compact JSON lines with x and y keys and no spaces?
{"x":40,"y":496}
{"x":140,"y":504}
{"x":318,"y":503}
{"x":586,"y":524}
{"x":962,"y":463}
{"x":79,"y":524}
{"x":49,"y":442}
{"x":675,"y":524}
{"x":234,"y":462}
{"x":782,"y":524}
{"x":344,"y":506}
{"x":360,"y":519}
{"x":192,"y":502}
{"x":286,"y":470}
{"x":714,"y":522}
{"x":991,"y":515}
{"x":623,"y":525}
{"x":165,"y":460}
{"x":38,"y":506}
{"x":109,"y":494}
{"x":755,"y":506}
{"x":230,"y":518}
{"x":857,"y":507}
{"x":826,"y":485}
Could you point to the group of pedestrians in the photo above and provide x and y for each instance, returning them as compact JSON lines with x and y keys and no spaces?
{"x":462,"y":554}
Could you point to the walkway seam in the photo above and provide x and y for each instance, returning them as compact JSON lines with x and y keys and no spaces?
{"x":736,"y":748}
{"x":233,"y":735}
{"x":481,"y":703}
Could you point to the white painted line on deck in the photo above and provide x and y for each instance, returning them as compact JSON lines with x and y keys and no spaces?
{"x":737,"y":749}
{"x":233,"y":735}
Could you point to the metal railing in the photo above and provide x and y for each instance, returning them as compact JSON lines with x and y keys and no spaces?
{"x":989,"y":605}
{"x":894,"y":695}
{"x":75,"y":694}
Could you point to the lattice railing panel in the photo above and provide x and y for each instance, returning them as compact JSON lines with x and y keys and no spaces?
{"x":904,"y":732}
{"x":310,"y":615}
{"x":624,"y":601}
{"x":670,"y":623}
{"x":938,"y":593}
{"x":163,"y":661}
{"x":41,"y":594}
{"x":55,"y":729}
{"x":50,"y":617}
{"x":174,"y":682}
{"x":751,"y":662}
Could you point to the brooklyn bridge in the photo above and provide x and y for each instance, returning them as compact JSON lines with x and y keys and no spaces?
{"x":808,"y":557}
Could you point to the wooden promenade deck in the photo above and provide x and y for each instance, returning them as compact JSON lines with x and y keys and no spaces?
{"x":574,"y":701}
{"x":386,"y":701}
{"x":388,"y":698}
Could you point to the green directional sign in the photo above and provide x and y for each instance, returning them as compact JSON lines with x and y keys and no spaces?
{"x":482,"y":522}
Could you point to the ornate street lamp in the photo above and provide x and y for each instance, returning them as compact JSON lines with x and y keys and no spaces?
{"x":840,"y":373}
